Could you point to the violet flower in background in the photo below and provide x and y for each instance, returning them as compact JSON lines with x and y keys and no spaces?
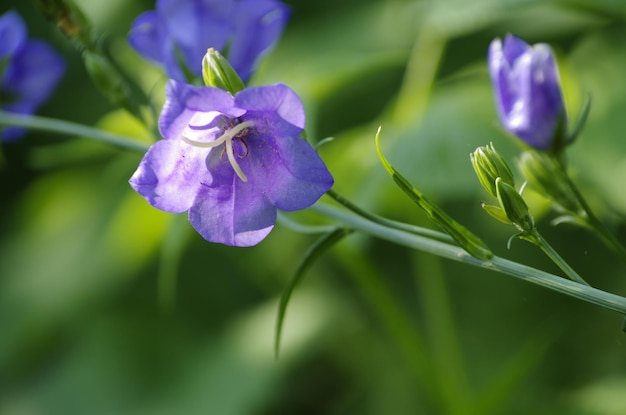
{"x":527,"y":90}
{"x":180,"y":32}
{"x":231,"y":161}
{"x":29,"y":71}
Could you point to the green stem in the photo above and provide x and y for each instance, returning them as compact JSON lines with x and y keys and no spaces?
{"x":417,"y":230}
{"x":536,"y":238}
{"x":53,"y":125}
{"x":607,"y":237}
{"x":445,"y":250}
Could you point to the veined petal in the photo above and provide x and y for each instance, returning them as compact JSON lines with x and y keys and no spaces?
{"x":232,"y":214}
{"x":287,"y":170}
{"x":278,"y":100}
{"x":184,"y":101}
{"x":171,"y":174}
{"x":258,"y":25}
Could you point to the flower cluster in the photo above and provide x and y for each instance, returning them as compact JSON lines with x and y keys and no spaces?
{"x":29,"y":71}
{"x":178,"y":33}
{"x":527,"y":90}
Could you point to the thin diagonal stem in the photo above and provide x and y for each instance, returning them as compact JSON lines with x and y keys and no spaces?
{"x":53,"y":125}
{"x":445,"y":250}
{"x":417,"y":230}
{"x":592,"y":221}
{"x":536,"y":238}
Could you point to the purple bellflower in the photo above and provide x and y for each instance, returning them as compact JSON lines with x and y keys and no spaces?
{"x":527,"y":90}
{"x":231,"y":161}
{"x":178,"y":33}
{"x":29,"y":71}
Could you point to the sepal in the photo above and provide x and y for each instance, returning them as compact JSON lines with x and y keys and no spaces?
{"x":497,"y":213}
{"x":514,"y":206}
{"x":217,"y":72}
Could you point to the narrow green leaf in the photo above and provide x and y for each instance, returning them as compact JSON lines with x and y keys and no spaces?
{"x":317,"y":249}
{"x":466,"y":240}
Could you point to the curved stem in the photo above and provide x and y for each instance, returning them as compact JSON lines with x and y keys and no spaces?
{"x":446,"y":250}
{"x":607,"y":237}
{"x":417,"y":230}
{"x":33,"y":122}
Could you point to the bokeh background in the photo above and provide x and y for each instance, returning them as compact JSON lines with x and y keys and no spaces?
{"x":108,"y":306}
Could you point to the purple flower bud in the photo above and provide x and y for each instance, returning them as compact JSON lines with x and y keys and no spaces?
{"x":178,"y":33}
{"x":231,"y":161}
{"x":29,"y":71}
{"x":527,"y":90}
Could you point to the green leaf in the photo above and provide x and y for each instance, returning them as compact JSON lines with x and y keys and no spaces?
{"x":466,"y":240}
{"x":317,"y":249}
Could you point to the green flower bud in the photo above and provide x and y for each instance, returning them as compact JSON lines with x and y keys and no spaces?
{"x":514,"y":206}
{"x":489,"y":166}
{"x":544,"y":174}
{"x":217,"y":72}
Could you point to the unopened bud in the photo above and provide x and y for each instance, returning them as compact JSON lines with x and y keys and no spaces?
{"x":514,"y":206}
{"x":489,"y":166}
{"x":543,"y":173}
{"x":217,"y":72}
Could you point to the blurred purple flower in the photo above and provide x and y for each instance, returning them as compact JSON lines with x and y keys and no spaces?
{"x":527,"y":90}
{"x":29,"y":71}
{"x":179,"y":32}
{"x":231,"y":161}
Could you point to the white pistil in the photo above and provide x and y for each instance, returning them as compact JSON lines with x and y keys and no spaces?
{"x":227,"y":139}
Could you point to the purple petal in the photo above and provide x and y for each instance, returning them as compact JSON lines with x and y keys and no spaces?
{"x":13,"y":33}
{"x":546,"y":102}
{"x":500,"y":73}
{"x":171,"y":174}
{"x":196,"y":25}
{"x":258,"y":25}
{"x":147,"y":36}
{"x":278,"y":102}
{"x":232,"y":214}
{"x":33,"y":73}
{"x":290,"y":172}
{"x":184,"y":101}
{"x":514,"y":47}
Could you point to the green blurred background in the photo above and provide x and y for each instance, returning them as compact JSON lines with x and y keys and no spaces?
{"x":108,"y":306}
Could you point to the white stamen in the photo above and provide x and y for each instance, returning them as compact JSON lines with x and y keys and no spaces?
{"x":227,"y":139}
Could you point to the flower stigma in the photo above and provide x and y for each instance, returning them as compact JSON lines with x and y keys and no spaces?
{"x":238,"y":131}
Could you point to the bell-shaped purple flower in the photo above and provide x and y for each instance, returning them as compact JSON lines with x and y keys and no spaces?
{"x":527,"y":90}
{"x":178,"y":33}
{"x":231,"y":161}
{"x":29,"y":71}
